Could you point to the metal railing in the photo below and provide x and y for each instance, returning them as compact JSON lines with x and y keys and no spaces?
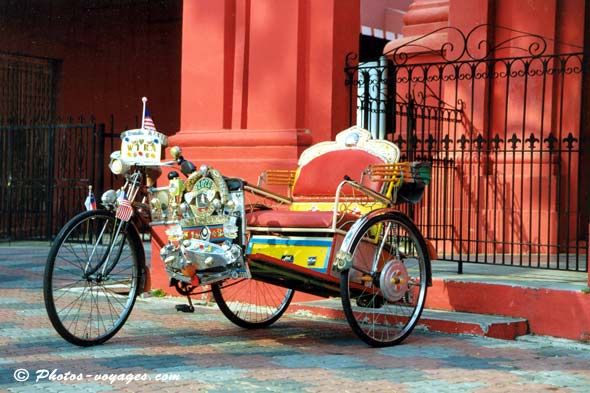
{"x":502,"y":125}
{"x":45,"y":170}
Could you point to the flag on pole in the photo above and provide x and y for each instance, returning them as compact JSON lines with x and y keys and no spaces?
{"x":90,"y":202}
{"x":125,"y":210}
{"x":148,"y":122}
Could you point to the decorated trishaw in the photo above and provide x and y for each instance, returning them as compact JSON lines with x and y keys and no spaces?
{"x":334,"y":232}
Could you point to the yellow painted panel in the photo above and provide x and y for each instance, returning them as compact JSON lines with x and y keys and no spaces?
{"x":311,"y":253}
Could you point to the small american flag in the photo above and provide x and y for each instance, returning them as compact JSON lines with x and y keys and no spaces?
{"x":125,"y":210}
{"x":148,"y":122}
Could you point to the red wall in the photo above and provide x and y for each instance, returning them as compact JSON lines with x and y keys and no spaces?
{"x":109,"y":55}
{"x":384,"y":15}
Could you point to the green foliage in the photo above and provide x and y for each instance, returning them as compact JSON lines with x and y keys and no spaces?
{"x":157,"y":292}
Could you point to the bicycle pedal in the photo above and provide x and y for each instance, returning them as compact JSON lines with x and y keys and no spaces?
{"x":184,"y":308}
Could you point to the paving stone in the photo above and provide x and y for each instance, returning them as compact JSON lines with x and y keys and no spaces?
{"x":204,"y":352}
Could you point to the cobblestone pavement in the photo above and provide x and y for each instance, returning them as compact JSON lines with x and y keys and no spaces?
{"x":205,"y":352}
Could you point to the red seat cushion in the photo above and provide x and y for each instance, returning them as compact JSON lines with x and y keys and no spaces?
{"x":322,"y":175}
{"x":297,"y":219}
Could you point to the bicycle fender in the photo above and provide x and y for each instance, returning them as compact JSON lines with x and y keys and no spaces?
{"x":343,"y":259}
{"x":346,"y":245}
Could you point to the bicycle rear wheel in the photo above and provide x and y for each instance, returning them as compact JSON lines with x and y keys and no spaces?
{"x":92,"y":277}
{"x":384,"y":290}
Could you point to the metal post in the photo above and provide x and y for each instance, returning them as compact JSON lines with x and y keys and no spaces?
{"x":391,"y":100}
{"x":10,"y":184}
{"x":382,"y":100}
{"x":411,"y":128}
{"x":49,"y":181}
{"x":584,"y":159}
{"x":585,"y":136}
{"x":99,"y":154}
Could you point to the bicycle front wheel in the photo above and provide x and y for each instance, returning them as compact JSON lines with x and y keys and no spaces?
{"x":92,"y":277}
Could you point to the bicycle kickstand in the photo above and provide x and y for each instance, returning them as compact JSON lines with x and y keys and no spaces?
{"x":186,"y":307}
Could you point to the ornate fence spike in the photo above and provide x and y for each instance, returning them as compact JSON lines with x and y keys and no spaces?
{"x":569,"y":141}
{"x":430,"y":142}
{"x":514,"y":141}
{"x":532,"y":140}
{"x":462,"y":141}
{"x":479,"y":142}
{"x":400,"y":141}
{"x":496,"y":140}
{"x":447,"y":141}
{"x":550,"y":141}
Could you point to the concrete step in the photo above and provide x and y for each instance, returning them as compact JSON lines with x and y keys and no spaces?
{"x":555,"y":303}
{"x":549,"y":312}
{"x":495,"y":326}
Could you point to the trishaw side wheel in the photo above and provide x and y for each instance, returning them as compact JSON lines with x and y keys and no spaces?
{"x":251,"y":304}
{"x":384,"y":289}
{"x":92,"y":277}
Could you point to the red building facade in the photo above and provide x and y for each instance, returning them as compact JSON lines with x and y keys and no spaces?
{"x":300,"y":79}
{"x":246,"y":85}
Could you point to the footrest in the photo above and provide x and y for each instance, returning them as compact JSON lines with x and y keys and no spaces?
{"x":185,"y":308}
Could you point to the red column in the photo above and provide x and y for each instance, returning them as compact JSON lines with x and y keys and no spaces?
{"x":204,"y":58}
{"x":265,"y":77}
{"x":273,"y":64}
{"x":260,"y":81}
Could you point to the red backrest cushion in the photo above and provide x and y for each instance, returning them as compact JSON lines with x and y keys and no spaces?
{"x":322,"y":175}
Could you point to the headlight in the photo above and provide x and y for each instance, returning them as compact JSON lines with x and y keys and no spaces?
{"x":118,"y":167}
{"x":109,"y":197}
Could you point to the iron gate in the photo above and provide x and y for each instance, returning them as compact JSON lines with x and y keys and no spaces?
{"x":502,"y":123}
{"x":45,"y":171}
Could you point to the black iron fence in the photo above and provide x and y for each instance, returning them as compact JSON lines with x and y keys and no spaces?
{"x":504,"y":128}
{"x":45,"y":170}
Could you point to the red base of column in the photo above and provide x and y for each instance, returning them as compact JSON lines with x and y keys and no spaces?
{"x":243,"y":153}
{"x":159,"y":278}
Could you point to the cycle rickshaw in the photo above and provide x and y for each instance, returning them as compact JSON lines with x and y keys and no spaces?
{"x":336,"y":232}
